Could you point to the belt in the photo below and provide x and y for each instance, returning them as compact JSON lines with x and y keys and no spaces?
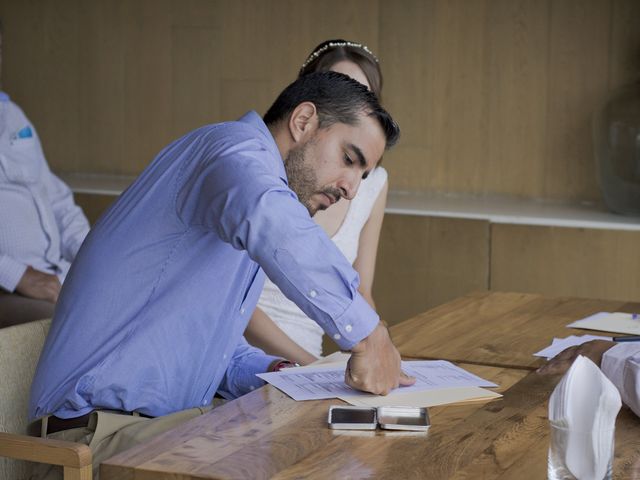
{"x":56,"y":424}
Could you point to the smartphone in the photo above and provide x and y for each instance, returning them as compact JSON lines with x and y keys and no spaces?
{"x":404,"y":418}
{"x":352,"y":418}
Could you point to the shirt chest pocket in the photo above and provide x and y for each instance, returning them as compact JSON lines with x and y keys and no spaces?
{"x":22,"y":161}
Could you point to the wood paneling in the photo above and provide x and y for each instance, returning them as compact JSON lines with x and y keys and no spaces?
{"x":426,"y":261}
{"x":493,"y":96}
{"x":566,"y":261}
{"x":624,"y":60}
{"x":517,"y":57}
{"x":110,"y":83}
{"x":577,"y":83}
{"x":93,"y":205}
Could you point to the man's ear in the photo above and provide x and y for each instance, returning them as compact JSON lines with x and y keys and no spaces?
{"x":303,"y":121}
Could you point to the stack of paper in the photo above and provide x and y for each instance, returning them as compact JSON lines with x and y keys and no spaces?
{"x":437,"y":382}
{"x":585,"y":401}
{"x":616,"y":322}
{"x":560,"y":344}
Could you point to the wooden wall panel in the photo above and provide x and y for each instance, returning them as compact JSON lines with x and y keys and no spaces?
{"x":148,"y":83}
{"x":196,"y":87}
{"x":93,"y":205}
{"x":517,"y":49}
{"x":624,"y":60}
{"x":39,"y":71}
{"x":433,"y":60}
{"x":566,"y":261}
{"x":426,"y":261}
{"x":102,"y":88}
{"x":577,"y":83}
{"x":493,"y":96}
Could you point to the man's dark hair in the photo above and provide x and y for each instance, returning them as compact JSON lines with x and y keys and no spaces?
{"x":338,"y":99}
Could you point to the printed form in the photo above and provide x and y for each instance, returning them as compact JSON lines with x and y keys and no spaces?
{"x":316,"y":383}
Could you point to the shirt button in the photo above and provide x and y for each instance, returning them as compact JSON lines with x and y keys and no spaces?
{"x":313,"y":294}
{"x":348,"y":328}
{"x":337,"y":336}
{"x":204,"y":403}
{"x":224,"y":357}
{"x":252,"y":388}
{"x":242,"y":310}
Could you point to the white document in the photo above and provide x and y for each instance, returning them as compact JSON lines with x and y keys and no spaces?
{"x":560,"y":344}
{"x":313,"y":383}
{"x":427,"y":398}
{"x":610,"y":322}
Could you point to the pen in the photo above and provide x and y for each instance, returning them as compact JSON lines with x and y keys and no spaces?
{"x":628,"y":338}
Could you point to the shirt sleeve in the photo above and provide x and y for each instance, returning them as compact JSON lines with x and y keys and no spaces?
{"x":71,"y":221}
{"x":621,"y":364}
{"x":253,"y":209}
{"x":11,"y":271}
{"x":240,"y":376}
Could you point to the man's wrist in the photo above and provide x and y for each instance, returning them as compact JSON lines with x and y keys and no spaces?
{"x":361,"y":345}
{"x":281,"y":365}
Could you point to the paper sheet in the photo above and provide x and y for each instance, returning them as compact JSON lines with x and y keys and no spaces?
{"x":427,"y":398}
{"x":560,"y":344}
{"x":610,"y":322}
{"x":315,"y":383}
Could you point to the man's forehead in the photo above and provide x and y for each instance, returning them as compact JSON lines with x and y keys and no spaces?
{"x":366,"y":127}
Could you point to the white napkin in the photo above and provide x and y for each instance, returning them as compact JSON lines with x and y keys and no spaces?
{"x":585,"y":400}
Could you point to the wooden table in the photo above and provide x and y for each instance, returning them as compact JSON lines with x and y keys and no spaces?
{"x":267,"y":435}
{"x":496,"y":328}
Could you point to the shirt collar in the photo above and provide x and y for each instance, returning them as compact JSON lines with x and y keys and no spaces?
{"x":252,"y":118}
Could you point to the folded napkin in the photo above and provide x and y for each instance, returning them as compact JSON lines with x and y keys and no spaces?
{"x":586,"y":403}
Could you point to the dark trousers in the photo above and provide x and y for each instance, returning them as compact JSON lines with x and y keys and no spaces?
{"x":16,"y":309}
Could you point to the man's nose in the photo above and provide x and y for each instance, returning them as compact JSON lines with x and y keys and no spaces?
{"x":349,"y":186}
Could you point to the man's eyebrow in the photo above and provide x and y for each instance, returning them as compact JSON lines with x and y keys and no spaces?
{"x":359,"y":154}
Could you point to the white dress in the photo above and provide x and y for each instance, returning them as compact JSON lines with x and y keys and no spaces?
{"x":300,"y":328}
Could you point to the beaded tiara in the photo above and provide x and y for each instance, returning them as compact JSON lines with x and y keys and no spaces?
{"x":329,"y":45}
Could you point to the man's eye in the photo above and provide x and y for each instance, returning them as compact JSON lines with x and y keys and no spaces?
{"x":347,"y":159}
{"x":365,"y":175}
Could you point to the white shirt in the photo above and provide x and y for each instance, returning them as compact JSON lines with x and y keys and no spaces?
{"x":41,"y":225}
{"x":621,"y":364}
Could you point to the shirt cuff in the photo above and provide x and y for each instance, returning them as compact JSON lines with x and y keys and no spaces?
{"x":354,"y":325}
{"x":242,"y":379}
{"x":11,"y":271}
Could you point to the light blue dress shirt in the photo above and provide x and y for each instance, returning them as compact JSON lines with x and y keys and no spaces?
{"x":40,"y":225}
{"x":152,"y":313}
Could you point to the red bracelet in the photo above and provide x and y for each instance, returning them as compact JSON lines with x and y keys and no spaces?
{"x":282,"y":364}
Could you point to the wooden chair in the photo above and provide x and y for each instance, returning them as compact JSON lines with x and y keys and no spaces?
{"x":20,"y":347}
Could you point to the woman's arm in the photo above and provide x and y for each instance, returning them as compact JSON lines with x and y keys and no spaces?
{"x":365,"y":263}
{"x":263,"y":333}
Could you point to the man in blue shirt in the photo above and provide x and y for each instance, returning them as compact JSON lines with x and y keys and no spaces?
{"x":151,"y":316}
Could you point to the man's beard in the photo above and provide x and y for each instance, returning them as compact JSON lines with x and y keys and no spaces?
{"x":303,"y":179}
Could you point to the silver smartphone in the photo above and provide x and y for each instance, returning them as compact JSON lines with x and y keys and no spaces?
{"x":403,"y":418}
{"x":344,"y":417}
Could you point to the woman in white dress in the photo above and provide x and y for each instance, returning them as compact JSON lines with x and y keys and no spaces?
{"x":278,"y":326}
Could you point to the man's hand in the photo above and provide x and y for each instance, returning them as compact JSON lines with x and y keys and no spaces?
{"x":561,"y":362}
{"x":39,"y":285}
{"x":374,"y":365}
